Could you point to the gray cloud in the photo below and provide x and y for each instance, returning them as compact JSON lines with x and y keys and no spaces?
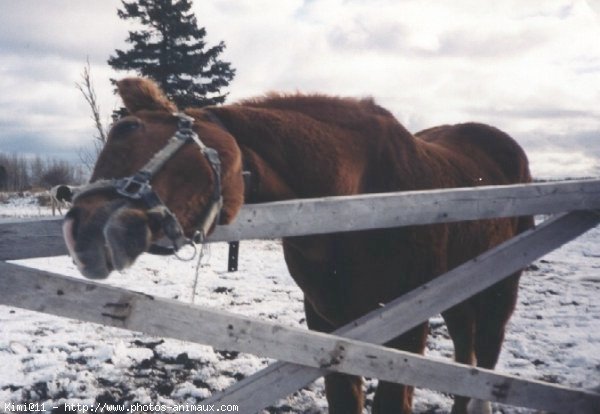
{"x":552,"y":155}
{"x":429,"y":62}
{"x":357,"y":37}
{"x":43,"y":48}
{"x":31,"y":142}
{"x":25,"y":69}
{"x":493,"y":44}
{"x":535,"y":113}
{"x":587,"y":141}
{"x":70,"y":30}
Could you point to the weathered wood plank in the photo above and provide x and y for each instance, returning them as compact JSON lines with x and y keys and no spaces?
{"x":281,"y":379}
{"x":23,"y":239}
{"x":385,"y":210}
{"x":337,"y":214}
{"x":87,"y":301}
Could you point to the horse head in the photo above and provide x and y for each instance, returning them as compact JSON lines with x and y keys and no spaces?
{"x":117,"y":217}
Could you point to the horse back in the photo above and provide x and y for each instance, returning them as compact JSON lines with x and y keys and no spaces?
{"x":478,"y":152}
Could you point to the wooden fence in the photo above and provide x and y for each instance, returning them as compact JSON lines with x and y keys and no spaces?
{"x":306,"y":355}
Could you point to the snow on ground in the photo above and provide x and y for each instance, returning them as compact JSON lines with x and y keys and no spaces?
{"x":26,"y":204}
{"x":554,"y":335}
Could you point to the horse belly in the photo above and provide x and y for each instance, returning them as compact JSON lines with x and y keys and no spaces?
{"x":347,"y":275}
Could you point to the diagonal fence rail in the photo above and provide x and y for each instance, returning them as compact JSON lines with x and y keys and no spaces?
{"x":407,"y":311}
{"x":92,"y":302}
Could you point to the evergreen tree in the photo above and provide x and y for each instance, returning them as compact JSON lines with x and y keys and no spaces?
{"x":170,"y":50}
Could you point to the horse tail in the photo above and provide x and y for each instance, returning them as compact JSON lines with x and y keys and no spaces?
{"x":524,"y":223}
{"x":521,"y":174}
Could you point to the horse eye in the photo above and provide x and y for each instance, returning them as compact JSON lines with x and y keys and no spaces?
{"x":125,"y":127}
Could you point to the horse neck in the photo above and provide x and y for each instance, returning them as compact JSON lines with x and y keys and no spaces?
{"x":287,"y":160}
{"x":282,"y":154}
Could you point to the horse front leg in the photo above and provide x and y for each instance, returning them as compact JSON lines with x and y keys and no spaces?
{"x":344,"y":392}
{"x":312,"y":263}
{"x":391,"y":398}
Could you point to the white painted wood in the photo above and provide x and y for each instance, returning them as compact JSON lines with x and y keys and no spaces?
{"x":84,"y":300}
{"x":20,"y":240}
{"x":407,"y":311}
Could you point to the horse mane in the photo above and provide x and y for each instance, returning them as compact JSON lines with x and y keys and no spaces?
{"x":330,"y":109}
{"x":257,"y":124}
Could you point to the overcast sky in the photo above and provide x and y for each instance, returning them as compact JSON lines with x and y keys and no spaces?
{"x":531,"y":68}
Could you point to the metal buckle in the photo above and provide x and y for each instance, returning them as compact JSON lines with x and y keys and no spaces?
{"x":184,"y":127}
{"x":133,"y":187}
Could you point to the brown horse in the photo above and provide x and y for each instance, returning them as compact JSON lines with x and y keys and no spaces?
{"x":312,"y":146}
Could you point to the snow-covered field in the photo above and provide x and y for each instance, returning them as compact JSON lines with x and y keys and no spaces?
{"x":553,"y":336}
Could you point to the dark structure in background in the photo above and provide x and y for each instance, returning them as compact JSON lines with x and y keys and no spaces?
{"x":3,"y":177}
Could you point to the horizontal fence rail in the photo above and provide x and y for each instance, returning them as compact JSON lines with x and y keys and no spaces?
{"x":93,"y":302}
{"x":21,"y":240}
{"x":310,"y":354}
{"x":24,"y":239}
{"x":386,"y":210}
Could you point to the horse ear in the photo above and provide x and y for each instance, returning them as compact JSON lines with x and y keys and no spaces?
{"x":139,"y":94}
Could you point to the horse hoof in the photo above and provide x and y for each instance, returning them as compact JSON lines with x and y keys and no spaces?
{"x":479,"y":407}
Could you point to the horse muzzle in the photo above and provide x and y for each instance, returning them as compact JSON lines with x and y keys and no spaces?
{"x":110,"y":239}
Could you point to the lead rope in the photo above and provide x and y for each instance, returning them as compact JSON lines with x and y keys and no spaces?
{"x":204,"y":248}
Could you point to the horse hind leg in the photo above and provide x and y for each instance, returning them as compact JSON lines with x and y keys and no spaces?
{"x":460,"y":321}
{"x":398,"y":398}
{"x":495,"y":308}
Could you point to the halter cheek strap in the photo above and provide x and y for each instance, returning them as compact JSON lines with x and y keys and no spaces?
{"x":137,"y":187}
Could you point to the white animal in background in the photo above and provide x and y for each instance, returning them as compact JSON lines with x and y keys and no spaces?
{"x":61,"y":196}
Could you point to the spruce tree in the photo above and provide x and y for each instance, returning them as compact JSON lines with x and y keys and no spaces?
{"x":170,"y":50}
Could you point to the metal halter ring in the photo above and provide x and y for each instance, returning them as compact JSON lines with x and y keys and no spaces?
{"x":177,"y":253}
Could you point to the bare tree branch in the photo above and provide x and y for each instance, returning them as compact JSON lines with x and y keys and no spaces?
{"x":88,"y":157}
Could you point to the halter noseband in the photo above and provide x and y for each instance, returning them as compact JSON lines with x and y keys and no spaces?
{"x":137,"y":187}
